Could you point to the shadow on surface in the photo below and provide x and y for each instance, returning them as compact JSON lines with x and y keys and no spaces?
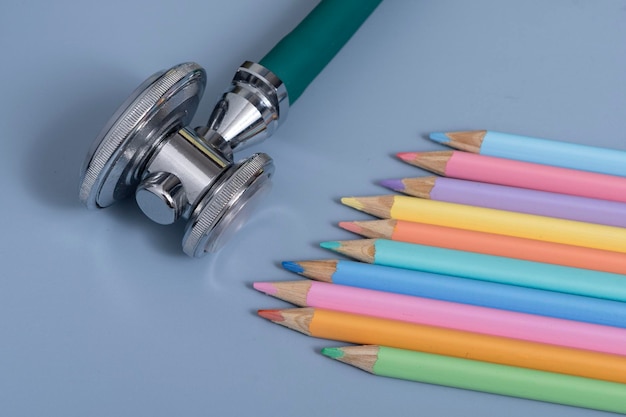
{"x":52,"y":165}
{"x":74,"y":119}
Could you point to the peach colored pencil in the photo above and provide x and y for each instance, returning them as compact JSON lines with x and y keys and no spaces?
{"x":480,"y":219}
{"x":490,"y":244}
{"x":354,"y":328}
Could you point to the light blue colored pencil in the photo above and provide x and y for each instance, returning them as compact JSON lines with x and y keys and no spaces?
{"x":463,"y":290}
{"x":537,"y":150}
{"x":491,"y":268}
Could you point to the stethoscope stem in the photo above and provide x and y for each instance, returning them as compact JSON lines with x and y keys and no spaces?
{"x":301,"y":55}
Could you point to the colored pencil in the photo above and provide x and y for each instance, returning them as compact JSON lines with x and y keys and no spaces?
{"x":491,"y":268}
{"x":483,"y":377}
{"x":458,"y":316}
{"x":522,"y":200}
{"x":354,"y":328}
{"x":489,"y":169}
{"x":490,"y":244}
{"x":537,"y":150}
{"x":488,"y":220}
{"x":463,"y":290}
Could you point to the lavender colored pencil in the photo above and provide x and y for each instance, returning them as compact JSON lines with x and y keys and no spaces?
{"x":521,"y":200}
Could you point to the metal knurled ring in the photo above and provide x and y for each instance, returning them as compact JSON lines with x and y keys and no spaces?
{"x":125,"y":124}
{"x":215,"y":209}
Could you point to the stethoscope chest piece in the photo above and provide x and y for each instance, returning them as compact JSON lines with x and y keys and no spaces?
{"x":180,"y":173}
{"x":174,"y":172}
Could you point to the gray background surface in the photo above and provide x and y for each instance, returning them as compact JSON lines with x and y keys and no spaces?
{"x":100,"y":312}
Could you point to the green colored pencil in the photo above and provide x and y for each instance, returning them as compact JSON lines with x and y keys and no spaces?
{"x":484,"y":377}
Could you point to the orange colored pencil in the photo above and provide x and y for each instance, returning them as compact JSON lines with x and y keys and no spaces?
{"x":353,"y":328}
{"x":490,"y":244}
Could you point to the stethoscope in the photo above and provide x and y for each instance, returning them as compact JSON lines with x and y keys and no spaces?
{"x":175,"y":172}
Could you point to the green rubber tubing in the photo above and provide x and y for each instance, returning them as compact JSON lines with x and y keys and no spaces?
{"x":305,"y":51}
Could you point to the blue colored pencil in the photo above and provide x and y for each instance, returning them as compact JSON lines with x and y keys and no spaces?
{"x":491,"y":268}
{"x":463,"y":290}
{"x":537,"y":150}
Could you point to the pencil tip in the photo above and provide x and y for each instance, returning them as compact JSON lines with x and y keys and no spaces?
{"x":439,"y":137}
{"x":332,"y":245}
{"x":352,"y":202}
{"x":265,"y":287}
{"x":293,"y":267}
{"x":393,"y":184}
{"x":273,"y":315}
{"x":406,"y":156}
{"x":334,"y":353}
{"x":351,"y":227}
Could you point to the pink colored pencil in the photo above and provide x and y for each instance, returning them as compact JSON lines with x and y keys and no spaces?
{"x":449,"y":315}
{"x":481,"y":168}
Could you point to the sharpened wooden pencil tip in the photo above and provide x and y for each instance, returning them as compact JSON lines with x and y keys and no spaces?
{"x":469,"y":141}
{"x":272,"y":315}
{"x":352,"y":202}
{"x":332,"y":245}
{"x":362,"y":357}
{"x":351,"y":227}
{"x":407,"y":156}
{"x":293,"y":267}
{"x":334,"y":353}
{"x":265,"y":287}
{"x":362,"y":249}
{"x":393,"y":184}
{"x":439,"y":137}
{"x":431,"y":161}
{"x":378,"y":206}
{"x":321,"y":270}
{"x":298,"y":319}
{"x":419,"y":187}
{"x":371,"y":228}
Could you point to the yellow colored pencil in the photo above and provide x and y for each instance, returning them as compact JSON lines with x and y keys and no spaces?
{"x":488,"y":220}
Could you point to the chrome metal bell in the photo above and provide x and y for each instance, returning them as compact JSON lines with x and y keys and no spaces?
{"x":176,"y":172}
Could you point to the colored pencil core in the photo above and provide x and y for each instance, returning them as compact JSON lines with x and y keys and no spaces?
{"x":265,"y":287}
{"x":273,"y":315}
{"x":352,"y":202}
{"x":406,"y":156}
{"x":393,"y":184}
{"x":351,"y":227}
{"x":332,"y":245}
{"x":292,"y":267}
{"x":439,"y":137}
{"x":334,"y":353}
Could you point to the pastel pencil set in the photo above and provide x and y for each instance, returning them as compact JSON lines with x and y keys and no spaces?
{"x":503,"y":273}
